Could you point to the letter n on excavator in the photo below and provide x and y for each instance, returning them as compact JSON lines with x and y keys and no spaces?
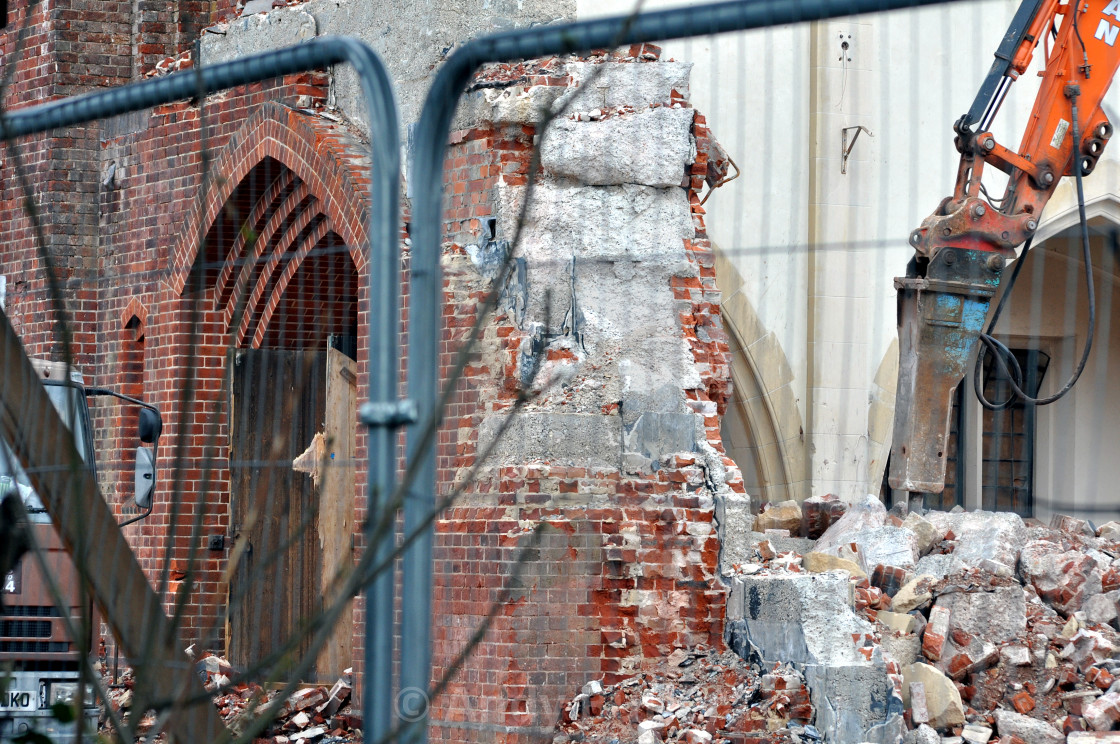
{"x":1106,"y":32}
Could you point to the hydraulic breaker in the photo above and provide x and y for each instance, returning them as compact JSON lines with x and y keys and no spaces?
{"x":940,"y":317}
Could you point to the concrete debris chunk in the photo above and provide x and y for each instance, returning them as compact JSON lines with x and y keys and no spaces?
{"x":1104,"y":712}
{"x":1109,"y":531}
{"x":965,"y":654}
{"x":1010,"y":723}
{"x":938,"y":565}
{"x":902,"y":649}
{"x":1071,"y":525}
{"x":976,"y":734}
{"x":1063,"y":579}
{"x":995,"y":568}
{"x":799,"y":618}
{"x":925,"y":534}
{"x":1101,"y":609}
{"x":1093,"y":737}
{"x":1088,"y":648}
{"x":886,"y":545}
{"x":923,"y":734}
{"x":807,"y":620}
{"x":943,"y":700}
{"x":778,"y":544}
{"x":1016,"y":625}
{"x":997,"y":616}
{"x":256,"y":6}
{"x":981,"y":534}
{"x":1015,"y":655}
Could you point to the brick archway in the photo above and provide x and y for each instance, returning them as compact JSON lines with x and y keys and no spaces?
{"x":287,"y":193}
{"x":270,"y":256}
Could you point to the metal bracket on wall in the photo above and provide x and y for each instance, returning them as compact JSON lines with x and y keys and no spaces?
{"x":846,"y":145}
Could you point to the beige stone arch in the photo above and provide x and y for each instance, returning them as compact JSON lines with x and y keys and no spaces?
{"x":763,"y":429}
{"x":880,"y":415}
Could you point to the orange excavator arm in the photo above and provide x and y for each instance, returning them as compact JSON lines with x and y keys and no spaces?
{"x":961,"y":249}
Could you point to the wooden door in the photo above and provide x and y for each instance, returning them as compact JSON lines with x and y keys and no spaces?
{"x":277,"y":407}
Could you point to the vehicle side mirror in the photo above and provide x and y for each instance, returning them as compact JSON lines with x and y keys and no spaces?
{"x":145,"y":476}
{"x":151,"y":426}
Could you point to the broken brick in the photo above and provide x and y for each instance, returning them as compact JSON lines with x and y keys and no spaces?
{"x":933,"y":639}
{"x":1022,"y":702}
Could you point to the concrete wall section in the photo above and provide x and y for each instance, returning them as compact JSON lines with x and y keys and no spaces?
{"x":412,"y":38}
{"x":611,"y":321}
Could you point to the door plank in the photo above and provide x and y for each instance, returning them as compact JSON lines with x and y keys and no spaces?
{"x":336,"y":503}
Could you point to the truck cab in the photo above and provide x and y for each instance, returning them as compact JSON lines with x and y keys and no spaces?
{"x":39,"y":661}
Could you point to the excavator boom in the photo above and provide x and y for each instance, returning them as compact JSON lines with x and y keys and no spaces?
{"x":961,"y":249}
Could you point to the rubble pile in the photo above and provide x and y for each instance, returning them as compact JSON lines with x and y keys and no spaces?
{"x":922,"y":627}
{"x":1002,"y":630}
{"x":315,"y":715}
{"x":694,"y":696}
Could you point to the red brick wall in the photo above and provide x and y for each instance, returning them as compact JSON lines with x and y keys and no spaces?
{"x":607,"y":588}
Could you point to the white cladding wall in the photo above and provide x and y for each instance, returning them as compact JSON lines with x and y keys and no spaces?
{"x":816,"y":250}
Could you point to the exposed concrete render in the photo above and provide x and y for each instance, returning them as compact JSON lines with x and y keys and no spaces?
{"x":649,"y":148}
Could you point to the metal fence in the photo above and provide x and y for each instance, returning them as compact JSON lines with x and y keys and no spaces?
{"x":624,"y":296}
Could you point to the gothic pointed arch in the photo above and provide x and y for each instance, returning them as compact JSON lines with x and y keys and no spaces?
{"x":763,"y":426}
{"x":277,"y":235}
